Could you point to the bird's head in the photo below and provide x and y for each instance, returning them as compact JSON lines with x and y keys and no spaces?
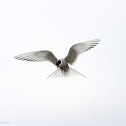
{"x":58,"y":63}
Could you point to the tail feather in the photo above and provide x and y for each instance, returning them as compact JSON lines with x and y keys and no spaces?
{"x":59,"y":73}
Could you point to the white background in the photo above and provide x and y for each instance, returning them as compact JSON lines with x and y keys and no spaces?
{"x":27,"y":99}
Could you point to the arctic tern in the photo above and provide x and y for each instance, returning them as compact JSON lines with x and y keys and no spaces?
{"x":62,"y":64}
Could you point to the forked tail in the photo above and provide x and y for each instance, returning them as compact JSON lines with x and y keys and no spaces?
{"x":59,"y":73}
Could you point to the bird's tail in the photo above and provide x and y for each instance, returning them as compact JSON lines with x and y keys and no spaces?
{"x":59,"y":73}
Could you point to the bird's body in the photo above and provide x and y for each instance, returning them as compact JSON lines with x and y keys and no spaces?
{"x":62,"y":64}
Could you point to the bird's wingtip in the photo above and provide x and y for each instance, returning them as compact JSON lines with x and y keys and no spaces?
{"x":15,"y":57}
{"x":98,"y":40}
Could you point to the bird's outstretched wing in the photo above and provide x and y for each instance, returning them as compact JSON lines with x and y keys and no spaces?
{"x":79,"y":48}
{"x":38,"y":56}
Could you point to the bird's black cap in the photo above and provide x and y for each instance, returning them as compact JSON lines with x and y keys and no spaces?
{"x":58,"y":62}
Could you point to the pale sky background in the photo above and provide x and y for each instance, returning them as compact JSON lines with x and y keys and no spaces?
{"x":27,"y":98}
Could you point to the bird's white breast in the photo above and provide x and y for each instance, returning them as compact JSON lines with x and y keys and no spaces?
{"x":63,"y":63}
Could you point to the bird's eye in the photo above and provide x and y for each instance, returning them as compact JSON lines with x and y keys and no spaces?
{"x":58,"y":62}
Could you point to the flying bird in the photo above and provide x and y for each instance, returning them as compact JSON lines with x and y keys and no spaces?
{"x":63,"y":69}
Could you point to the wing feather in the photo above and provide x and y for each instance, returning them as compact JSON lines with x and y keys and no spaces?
{"x":79,"y":48}
{"x":38,"y":56}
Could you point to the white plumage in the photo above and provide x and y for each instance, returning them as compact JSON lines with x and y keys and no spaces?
{"x":63,"y":64}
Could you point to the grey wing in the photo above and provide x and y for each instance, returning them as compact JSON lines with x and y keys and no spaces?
{"x":79,"y":48}
{"x":38,"y":56}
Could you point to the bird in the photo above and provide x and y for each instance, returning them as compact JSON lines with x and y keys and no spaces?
{"x":63,"y":68}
